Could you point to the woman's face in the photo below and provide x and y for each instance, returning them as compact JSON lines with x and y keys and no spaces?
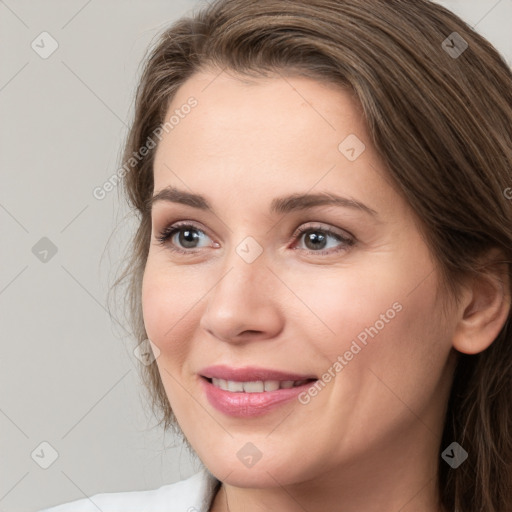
{"x":349,"y":301}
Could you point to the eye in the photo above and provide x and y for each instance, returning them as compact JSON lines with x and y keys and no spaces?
{"x":184,"y":237}
{"x":316,"y":240}
{"x":188,"y":236}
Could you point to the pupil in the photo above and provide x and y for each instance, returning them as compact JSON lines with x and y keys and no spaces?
{"x":188,"y":236}
{"x":315,"y":238}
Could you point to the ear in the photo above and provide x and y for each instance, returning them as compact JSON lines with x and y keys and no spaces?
{"x":485,"y":306}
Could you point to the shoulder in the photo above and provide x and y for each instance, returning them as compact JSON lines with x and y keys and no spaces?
{"x":191,"y":495}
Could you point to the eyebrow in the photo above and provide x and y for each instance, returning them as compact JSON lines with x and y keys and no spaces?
{"x":279,"y":205}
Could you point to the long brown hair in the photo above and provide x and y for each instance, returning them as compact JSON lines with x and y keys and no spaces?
{"x":438,"y":107}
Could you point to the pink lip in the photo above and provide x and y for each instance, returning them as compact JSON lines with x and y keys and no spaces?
{"x":250,"y":373}
{"x":243,"y":405}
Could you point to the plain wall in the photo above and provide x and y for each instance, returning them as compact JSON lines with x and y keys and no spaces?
{"x":68,"y":374}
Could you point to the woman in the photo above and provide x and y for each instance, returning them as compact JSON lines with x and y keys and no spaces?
{"x":322,"y":263}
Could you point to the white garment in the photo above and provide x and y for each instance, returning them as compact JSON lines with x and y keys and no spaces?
{"x":195,"y":494}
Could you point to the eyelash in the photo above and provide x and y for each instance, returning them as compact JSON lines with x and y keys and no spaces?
{"x":167,"y":233}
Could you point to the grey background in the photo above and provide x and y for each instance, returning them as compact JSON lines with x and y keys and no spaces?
{"x":68,"y":374}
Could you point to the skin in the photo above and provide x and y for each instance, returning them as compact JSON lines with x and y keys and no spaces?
{"x":370,"y":440}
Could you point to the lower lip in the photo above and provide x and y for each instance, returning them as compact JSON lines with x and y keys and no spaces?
{"x":243,"y":405}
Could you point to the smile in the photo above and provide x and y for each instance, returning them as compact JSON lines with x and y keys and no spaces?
{"x":258,"y":386}
{"x":251,"y":391}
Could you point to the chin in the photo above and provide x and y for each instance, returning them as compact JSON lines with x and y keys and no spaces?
{"x":267,"y":472}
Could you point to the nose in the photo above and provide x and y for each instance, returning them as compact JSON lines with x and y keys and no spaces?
{"x":243,"y":305}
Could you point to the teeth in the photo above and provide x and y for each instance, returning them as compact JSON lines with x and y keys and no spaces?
{"x":233,"y":386}
{"x":258,"y":386}
{"x":271,"y":385}
{"x":254,"y":387}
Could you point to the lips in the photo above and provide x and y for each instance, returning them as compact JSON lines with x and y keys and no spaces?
{"x":251,"y":391}
{"x":252,"y":374}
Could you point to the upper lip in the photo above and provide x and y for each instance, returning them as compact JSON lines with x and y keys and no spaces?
{"x":250,"y":373}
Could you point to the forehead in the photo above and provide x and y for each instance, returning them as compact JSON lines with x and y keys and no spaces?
{"x":278,"y":134}
{"x":231,"y":102}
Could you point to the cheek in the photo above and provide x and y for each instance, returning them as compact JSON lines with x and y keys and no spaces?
{"x":378,"y":317}
{"x":391,"y":364}
{"x":347,"y":303}
{"x":168,"y":302}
